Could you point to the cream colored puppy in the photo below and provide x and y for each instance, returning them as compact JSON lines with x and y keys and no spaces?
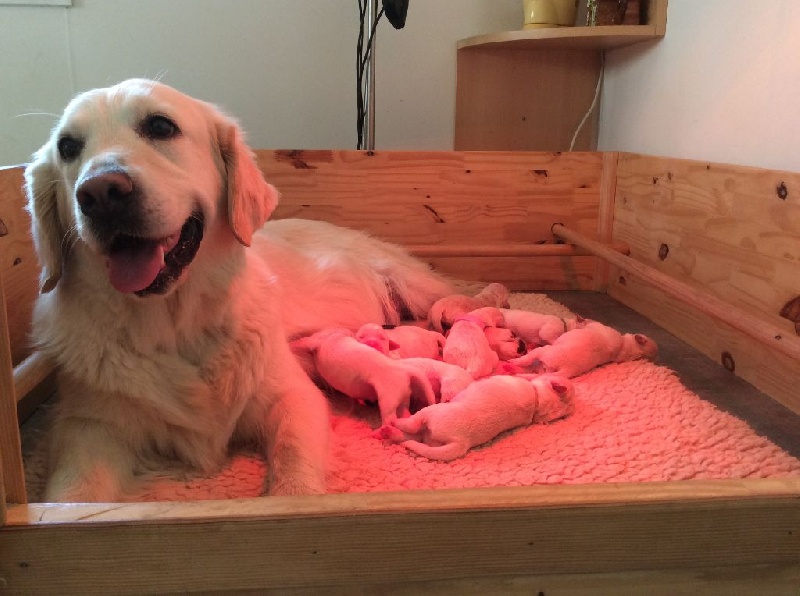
{"x":480,"y":412}
{"x":580,"y":350}
{"x":167,"y":306}
{"x":537,"y":329}
{"x":447,"y":380}
{"x":402,"y":341}
{"x":467,"y":345}
{"x":363,"y":373}
{"x":446,"y":310}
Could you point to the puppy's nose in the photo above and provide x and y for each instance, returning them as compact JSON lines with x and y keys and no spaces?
{"x":104,"y":192}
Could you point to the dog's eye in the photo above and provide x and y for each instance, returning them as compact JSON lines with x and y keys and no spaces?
{"x":159,"y":127}
{"x":69,"y":148}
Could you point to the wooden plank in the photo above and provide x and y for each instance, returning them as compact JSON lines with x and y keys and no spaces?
{"x":601,"y":37}
{"x":30,"y":373}
{"x":450,"y":199}
{"x":605,"y":218}
{"x":506,"y":250}
{"x":725,"y":229}
{"x":519,"y":273}
{"x":18,"y":264}
{"x":710,"y":305}
{"x":731,"y":231}
{"x":744,"y":580}
{"x":302,"y":542}
{"x":525,"y":99}
{"x":10,"y":446}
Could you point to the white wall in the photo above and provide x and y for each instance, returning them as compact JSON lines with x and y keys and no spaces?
{"x":285,"y":68}
{"x":723,"y":86}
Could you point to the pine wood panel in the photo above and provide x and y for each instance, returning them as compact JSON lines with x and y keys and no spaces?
{"x":525,"y":99}
{"x":418,"y":536}
{"x":18,"y":264}
{"x":728,"y":230}
{"x":11,"y":472}
{"x":451,"y":199}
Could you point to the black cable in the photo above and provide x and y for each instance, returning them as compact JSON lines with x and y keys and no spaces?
{"x":363,"y":57}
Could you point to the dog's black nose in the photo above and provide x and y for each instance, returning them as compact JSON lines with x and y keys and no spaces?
{"x":104,"y":192}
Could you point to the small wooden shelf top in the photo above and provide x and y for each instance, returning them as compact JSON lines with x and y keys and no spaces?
{"x":576,"y":38}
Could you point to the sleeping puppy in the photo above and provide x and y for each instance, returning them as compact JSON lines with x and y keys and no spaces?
{"x":480,"y":412}
{"x":167,"y":303}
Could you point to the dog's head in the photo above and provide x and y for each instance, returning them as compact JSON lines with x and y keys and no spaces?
{"x":139,"y":173}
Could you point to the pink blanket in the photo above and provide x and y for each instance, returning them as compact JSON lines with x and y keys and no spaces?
{"x":633,"y":422}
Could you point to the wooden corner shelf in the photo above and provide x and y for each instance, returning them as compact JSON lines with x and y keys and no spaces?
{"x":566,"y":38}
{"x":529,"y":90}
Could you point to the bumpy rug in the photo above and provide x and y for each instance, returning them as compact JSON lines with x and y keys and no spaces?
{"x":633,"y":422}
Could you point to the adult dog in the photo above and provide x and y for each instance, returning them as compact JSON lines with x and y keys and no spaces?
{"x":167,"y":303}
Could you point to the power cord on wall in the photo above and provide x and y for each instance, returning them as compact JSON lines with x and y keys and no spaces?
{"x":362,"y":57}
{"x":396,"y":12}
{"x":594,"y":101}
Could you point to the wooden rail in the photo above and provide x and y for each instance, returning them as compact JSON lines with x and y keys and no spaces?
{"x":706,"y":303}
{"x":503,"y":250}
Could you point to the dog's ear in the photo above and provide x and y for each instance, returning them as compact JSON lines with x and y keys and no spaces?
{"x":250,"y":199}
{"x":42,"y":186}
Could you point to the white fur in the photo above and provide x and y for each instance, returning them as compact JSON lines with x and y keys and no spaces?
{"x":446,"y":310}
{"x":480,"y":412}
{"x":175,"y":377}
{"x":580,"y":350}
{"x":467,"y":346}
{"x":403,"y":341}
{"x":363,"y":373}
{"x":447,"y":380}
{"x":538,"y":329}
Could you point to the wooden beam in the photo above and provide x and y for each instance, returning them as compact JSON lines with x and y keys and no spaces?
{"x":29,"y":373}
{"x":10,"y":445}
{"x":758,"y":329}
{"x":507,"y":250}
{"x":349,"y":539}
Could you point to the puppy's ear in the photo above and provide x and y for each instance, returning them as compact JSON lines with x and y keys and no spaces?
{"x":250,"y":199}
{"x":42,"y":186}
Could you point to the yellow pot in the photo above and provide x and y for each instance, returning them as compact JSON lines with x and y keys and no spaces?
{"x":549,"y":13}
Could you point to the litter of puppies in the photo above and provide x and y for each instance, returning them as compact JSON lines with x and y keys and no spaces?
{"x":480,"y":369}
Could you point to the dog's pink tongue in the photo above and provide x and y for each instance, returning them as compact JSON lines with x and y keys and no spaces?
{"x":134,"y":269}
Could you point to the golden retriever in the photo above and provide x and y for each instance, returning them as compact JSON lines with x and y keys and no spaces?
{"x":167,"y":301}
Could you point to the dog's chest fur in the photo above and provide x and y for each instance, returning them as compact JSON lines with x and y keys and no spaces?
{"x":178,"y":371}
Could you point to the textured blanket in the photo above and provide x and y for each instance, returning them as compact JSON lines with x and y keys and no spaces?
{"x":633,"y":421}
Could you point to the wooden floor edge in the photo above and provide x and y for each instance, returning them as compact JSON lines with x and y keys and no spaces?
{"x":424,"y":501}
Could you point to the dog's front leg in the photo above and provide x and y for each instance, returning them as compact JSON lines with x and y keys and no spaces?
{"x":88,"y":463}
{"x":297,"y":434}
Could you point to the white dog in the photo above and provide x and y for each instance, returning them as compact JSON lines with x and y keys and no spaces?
{"x":170,"y":334}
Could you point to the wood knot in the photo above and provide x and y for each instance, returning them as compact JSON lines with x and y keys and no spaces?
{"x":791,"y":311}
{"x":663,"y":251}
{"x":728,"y":362}
{"x":782,"y":191}
{"x":622,"y":281}
{"x":3,"y":228}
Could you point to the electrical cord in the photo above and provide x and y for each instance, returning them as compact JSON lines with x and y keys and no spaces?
{"x":594,"y":101}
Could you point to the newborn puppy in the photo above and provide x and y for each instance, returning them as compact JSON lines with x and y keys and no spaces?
{"x":363,"y":373}
{"x":481,"y":412}
{"x":538,"y":329}
{"x":447,"y":380}
{"x":580,"y":350}
{"x":402,"y":341}
{"x":444,"y":311}
{"x":466,"y":344}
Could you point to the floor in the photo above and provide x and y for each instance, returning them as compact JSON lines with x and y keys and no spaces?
{"x":701,"y":374}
